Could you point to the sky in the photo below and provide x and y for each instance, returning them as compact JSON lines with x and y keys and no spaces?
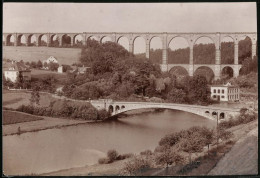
{"x":131,"y":17}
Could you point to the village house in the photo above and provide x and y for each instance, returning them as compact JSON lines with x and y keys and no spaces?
{"x":51,"y":59}
{"x":60,"y":69}
{"x":79,"y":70}
{"x":14,"y":69}
{"x":228,"y":93}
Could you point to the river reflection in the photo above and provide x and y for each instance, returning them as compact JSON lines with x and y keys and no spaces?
{"x":75,"y":146}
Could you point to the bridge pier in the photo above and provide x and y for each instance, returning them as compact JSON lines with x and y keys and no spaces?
{"x":165,"y":51}
{"x":253,"y":50}
{"x":236,"y":52}
{"x":147,"y":50}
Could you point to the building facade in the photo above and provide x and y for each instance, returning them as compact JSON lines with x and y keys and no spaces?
{"x":15,"y":69}
{"x":226,"y":93}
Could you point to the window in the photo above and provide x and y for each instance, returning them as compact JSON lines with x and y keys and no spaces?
{"x":222,"y":96}
{"x":222,"y":91}
{"x":218,"y":90}
{"x":214,"y":91}
{"x":214,"y":96}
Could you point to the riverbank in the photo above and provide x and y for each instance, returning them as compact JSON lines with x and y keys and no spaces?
{"x":54,"y":123}
{"x":38,"y":125}
{"x":112,"y":169}
{"x":208,"y":167}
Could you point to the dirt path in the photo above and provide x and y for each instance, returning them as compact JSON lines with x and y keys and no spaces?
{"x":242,"y":158}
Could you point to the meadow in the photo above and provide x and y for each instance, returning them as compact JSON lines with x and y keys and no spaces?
{"x":14,"y":99}
{"x":13,"y":117}
{"x":63,"y":55}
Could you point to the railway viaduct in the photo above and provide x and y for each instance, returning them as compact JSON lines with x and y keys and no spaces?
{"x":165,"y":37}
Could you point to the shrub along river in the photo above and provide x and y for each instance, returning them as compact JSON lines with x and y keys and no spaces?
{"x":77,"y":146}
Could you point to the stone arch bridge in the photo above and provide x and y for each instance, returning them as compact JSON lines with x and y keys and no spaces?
{"x":165,"y":37}
{"x":210,"y":112}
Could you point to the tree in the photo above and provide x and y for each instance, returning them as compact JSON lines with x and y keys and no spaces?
{"x":33,"y":64}
{"x":136,"y":165}
{"x":209,"y":136}
{"x":112,"y":155}
{"x":198,"y":90}
{"x":39,"y":64}
{"x":45,"y":64}
{"x":53,"y":66}
{"x":176,"y":95}
{"x":35,"y":96}
{"x":168,"y":156}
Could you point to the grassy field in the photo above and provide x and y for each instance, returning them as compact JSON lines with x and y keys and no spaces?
{"x":63,"y":55}
{"x":14,"y":99}
{"x":13,"y":117}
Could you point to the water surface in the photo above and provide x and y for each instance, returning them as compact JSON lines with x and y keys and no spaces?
{"x":76,"y":146}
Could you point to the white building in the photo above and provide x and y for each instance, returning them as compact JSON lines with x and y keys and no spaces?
{"x":14,"y":69}
{"x":226,"y":92}
{"x":51,"y":59}
{"x":60,"y":69}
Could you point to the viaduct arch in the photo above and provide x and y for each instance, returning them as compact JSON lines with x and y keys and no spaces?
{"x":166,"y":38}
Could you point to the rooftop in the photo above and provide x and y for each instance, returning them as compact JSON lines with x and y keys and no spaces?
{"x":15,"y":66}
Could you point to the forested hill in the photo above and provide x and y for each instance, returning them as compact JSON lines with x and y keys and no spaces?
{"x":204,"y":53}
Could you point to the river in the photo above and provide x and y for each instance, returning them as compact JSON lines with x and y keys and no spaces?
{"x":77,"y":146}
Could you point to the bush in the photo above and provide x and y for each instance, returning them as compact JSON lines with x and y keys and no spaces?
{"x":112,"y":155}
{"x":127,"y":155}
{"x":103,"y":160}
{"x":243,"y":118}
{"x":136,"y":165}
{"x":146,"y":152}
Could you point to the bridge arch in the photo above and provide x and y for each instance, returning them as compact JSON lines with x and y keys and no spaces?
{"x":205,"y":71}
{"x":140,"y":44}
{"x":66,"y":40}
{"x":205,"y":36}
{"x":32,"y":40}
{"x":227,"y":72}
{"x":178,"y":71}
{"x":202,"y":46}
{"x":10,"y":40}
{"x":77,"y":40}
{"x":42,"y":40}
{"x":21,"y":40}
{"x":105,"y":39}
{"x":178,"y":50}
{"x":117,"y":108}
{"x":155,"y":49}
{"x":222,"y":115}
{"x":122,"y":107}
{"x":227,"y":50}
{"x":4,"y":40}
{"x":123,"y":41}
{"x":130,"y":108}
{"x":215,"y":114}
{"x":54,"y":40}
{"x":110,"y":109}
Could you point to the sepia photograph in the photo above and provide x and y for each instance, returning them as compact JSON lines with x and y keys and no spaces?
{"x":129,"y":89}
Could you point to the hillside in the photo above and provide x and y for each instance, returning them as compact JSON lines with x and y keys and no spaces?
{"x":64,"y":55}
